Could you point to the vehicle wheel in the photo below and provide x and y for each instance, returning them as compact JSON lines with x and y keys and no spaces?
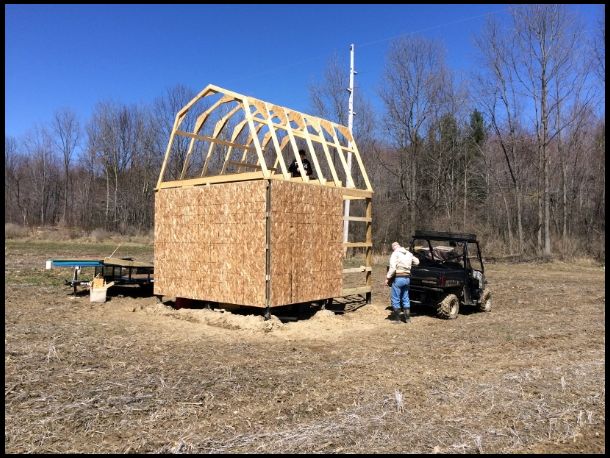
{"x":448,"y":308}
{"x":485,"y":302}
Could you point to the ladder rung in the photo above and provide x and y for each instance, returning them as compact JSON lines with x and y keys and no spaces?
{"x":357,"y":269}
{"x":357,"y":218}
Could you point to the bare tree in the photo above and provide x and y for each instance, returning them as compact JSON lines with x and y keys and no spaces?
{"x":67,"y":134}
{"x":43,"y":174}
{"x":13,"y":182}
{"x":164,"y":111}
{"x":599,"y":48}
{"x":434,"y":151}
{"x":329,"y":97}
{"x":412,"y":84}
{"x":498,"y":93}
{"x":546,"y":41}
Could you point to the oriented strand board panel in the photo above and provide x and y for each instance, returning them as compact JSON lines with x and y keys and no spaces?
{"x":306,"y":242}
{"x":210,"y":242}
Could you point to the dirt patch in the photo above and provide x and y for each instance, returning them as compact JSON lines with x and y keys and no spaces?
{"x":133,"y":375}
{"x":220,"y":319}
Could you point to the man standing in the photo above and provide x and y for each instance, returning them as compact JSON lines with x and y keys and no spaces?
{"x":400,"y":268}
{"x":293,"y":168}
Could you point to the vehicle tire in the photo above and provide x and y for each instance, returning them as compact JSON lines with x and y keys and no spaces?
{"x":448,"y":308}
{"x":485,"y":302}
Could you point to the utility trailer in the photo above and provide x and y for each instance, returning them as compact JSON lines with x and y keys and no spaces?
{"x":121,"y":271}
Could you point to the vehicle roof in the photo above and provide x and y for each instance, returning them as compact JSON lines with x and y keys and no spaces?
{"x":445,"y":236}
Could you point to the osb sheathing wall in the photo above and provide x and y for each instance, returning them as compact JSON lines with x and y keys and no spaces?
{"x":210,"y":242}
{"x":306,"y":242}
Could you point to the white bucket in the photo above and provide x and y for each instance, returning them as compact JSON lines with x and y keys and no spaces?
{"x":98,"y":294}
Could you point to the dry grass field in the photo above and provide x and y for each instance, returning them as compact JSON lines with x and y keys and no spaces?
{"x":134,"y":375}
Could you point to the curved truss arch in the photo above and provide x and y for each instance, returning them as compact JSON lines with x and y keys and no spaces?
{"x":284,"y":132}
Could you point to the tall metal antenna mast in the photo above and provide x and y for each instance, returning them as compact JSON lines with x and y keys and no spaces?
{"x":350,"y":122}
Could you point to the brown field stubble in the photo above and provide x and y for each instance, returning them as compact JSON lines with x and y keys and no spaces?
{"x":132,"y":375}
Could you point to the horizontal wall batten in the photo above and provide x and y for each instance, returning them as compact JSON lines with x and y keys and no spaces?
{"x":358,"y":244}
{"x":354,"y":270}
{"x":211,"y":180}
{"x":357,"y":218}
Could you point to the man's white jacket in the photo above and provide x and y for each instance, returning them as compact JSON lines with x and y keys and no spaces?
{"x":401,"y":261}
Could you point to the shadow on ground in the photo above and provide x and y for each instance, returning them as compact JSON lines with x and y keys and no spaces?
{"x":286,"y":313}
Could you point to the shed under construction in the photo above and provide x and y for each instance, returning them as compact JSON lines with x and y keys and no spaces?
{"x":232,"y":225}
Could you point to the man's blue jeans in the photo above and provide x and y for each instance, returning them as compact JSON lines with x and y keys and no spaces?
{"x":400,"y":293}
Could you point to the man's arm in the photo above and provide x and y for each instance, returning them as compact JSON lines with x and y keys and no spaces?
{"x":308,"y":169}
{"x":393,"y":261}
{"x":414,"y":260}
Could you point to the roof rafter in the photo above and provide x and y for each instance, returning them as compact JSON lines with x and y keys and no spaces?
{"x":278,"y":126}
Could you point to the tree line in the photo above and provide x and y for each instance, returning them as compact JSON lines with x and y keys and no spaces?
{"x":515,"y":152}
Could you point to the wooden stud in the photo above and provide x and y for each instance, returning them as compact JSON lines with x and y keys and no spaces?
{"x":201,"y":119}
{"x":300,"y":119}
{"x":198,"y":125}
{"x":220,"y":125}
{"x":357,"y":218}
{"x":253,"y":133}
{"x":167,"y":151}
{"x":217,"y":129}
{"x":211,"y":180}
{"x":369,"y":250}
{"x":354,"y":270}
{"x":210,"y":139}
{"x":244,"y":155}
{"x":353,"y":193}
{"x":357,"y":244}
{"x":316,"y":125}
{"x":276,"y":144}
{"x":348,"y":174}
{"x":236,"y":132}
{"x":258,"y":109}
{"x":299,"y":133}
{"x":293,"y":143}
{"x":209,"y":89}
{"x":285,"y":141}
{"x":362,"y":169}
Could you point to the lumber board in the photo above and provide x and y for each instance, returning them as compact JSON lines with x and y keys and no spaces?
{"x":354,"y":270}
{"x":357,"y":244}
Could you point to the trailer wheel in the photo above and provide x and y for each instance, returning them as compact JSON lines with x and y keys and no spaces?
{"x":448,"y":308}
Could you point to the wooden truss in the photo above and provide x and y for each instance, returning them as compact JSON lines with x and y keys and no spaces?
{"x":268,"y":136}
{"x":283,"y":127}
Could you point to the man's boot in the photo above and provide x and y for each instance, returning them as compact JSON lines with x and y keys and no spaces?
{"x":395,"y":316}
{"x":407,"y":315}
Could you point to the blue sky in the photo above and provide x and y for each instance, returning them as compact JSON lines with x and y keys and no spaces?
{"x":77,"y":55}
